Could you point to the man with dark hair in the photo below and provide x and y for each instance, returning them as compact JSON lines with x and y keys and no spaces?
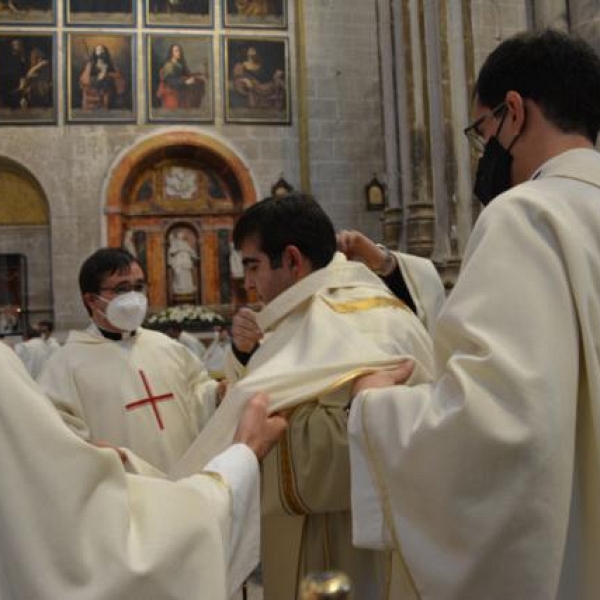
{"x":46,"y":328}
{"x":325,"y":320}
{"x":119,"y":383}
{"x":487,"y":480}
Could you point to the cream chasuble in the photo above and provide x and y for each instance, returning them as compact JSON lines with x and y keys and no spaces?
{"x":488,"y":481}
{"x":335,"y":324}
{"x":147,"y":393}
{"x":74,"y":525}
{"x":425,"y":286}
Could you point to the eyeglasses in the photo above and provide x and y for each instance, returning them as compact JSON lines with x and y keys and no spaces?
{"x":124,"y":288}
{"x":474,"y":135}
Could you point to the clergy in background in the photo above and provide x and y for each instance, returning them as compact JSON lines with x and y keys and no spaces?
{"x":121,"y":383}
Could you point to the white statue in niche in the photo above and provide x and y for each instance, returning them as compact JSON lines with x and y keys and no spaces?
{"x":182,"y":259}
{"x":236,"y":268}
{"x":181,"y":183}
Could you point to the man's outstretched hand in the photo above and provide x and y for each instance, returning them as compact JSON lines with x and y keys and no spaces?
{"x":384,"y":378}
{"x":257,"y":429}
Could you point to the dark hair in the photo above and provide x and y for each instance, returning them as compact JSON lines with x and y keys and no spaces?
{"x":560,"y":73}
{"x":45,"y":324}
{"x":102,"y":263}
{"x":174,"y":326}
{"x":294,"y":219}
{"x":32,"y":332}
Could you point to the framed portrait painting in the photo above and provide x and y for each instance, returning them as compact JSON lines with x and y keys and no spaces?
{"x":179,"y":78}
{"x":270,"y":14}
{"x":257,"y":88}
{"x":27,"y":79}
{"x":100,"y":78}
{"x":113,"y":13}
{"x":179,"y":13}
{"x":27,"y":12}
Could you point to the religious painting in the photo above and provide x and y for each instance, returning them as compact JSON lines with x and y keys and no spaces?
{"x":13,"y":293}
{"x":27,"y":12}
{"x":27,"y":81}
{"x":180,"y":78}
{"x":179,"y":13}
{"x":100,"y":78}
{"x":255,"y":13}
{"x":113,"y":13}
{"x":256,"y":80}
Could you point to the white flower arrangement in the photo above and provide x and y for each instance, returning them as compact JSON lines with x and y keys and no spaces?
{"x":185,"y":313}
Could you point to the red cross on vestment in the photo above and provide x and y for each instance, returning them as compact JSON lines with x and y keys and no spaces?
{"x":151,"y":399}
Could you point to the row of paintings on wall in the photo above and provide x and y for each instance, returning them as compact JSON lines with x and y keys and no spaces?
{"x":101,"y":78}
{"x":162,"y":13}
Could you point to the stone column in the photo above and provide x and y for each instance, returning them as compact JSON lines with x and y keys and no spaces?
{"x":392,"y":214}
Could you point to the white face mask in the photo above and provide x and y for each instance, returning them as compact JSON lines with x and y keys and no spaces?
{"x":126,"y":311}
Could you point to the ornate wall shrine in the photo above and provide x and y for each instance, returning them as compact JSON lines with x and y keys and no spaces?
{"x":172,"y":201}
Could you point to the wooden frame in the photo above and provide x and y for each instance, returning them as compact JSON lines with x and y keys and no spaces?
{"x":375,"y":194}
{"x":27,"y":12}
{"x":180,"y":78}
{"x":100,"y":75}
{"x":27,"y":78}
{"x":186,"y":13}
{"x":256,"y":80}
{"x":112,"y":13}
{"x":271,"y":14}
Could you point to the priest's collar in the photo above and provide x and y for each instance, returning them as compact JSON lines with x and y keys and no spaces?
{"x":113,"y":335}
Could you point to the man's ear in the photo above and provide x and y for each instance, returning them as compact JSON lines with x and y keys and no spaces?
{"x":294,"y":257}
{"x":516,"y":110}
{"x":88,"y":300}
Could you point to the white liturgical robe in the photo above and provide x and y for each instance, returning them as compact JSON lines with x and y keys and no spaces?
{"x":74,"y":525}
{"x":147,"y":392}
{"x":335,"y":324}
{"x":34,"y":353}
{"x":487,"y":481}
{"x":425,"y":286}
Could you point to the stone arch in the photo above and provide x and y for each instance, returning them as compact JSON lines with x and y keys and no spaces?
{"x":179,"y":178}
{"x":25,"y":268}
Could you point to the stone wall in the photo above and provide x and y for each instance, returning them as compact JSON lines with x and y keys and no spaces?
{"x":71,"y":162}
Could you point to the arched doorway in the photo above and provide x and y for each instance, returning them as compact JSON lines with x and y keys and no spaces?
{"x":172,"y":200}
{"x":25,"y":272}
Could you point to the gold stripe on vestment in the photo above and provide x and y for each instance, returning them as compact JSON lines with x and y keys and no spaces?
{"x":289,"y":489}
{"x":362,"y":304}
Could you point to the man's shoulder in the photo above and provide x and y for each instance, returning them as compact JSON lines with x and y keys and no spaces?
{"x":156,"y":339}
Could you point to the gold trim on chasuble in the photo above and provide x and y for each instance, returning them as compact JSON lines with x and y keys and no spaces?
{"x":352,"y":306}
{"x":288,"y":486}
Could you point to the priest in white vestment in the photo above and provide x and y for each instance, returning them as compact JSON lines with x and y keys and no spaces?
{"x":35,"y":351}
{"x":326,"y":321}
{"x":119,"y":383}
{"x":487,"y":481}
{"x":74,"y":525}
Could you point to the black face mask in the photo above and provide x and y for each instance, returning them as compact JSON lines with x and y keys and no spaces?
{"x":493,"y":171}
